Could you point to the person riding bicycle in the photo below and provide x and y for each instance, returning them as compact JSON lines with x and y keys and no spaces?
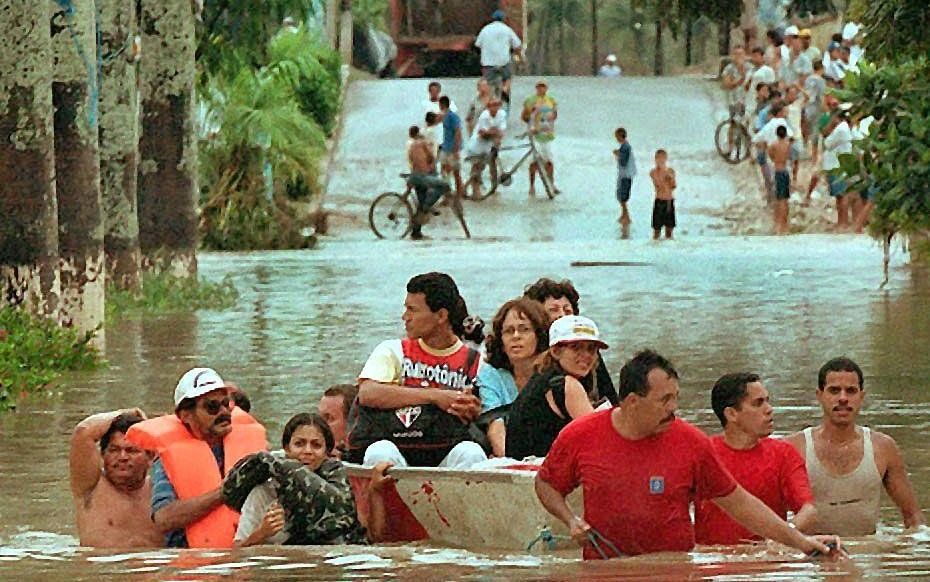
{"x":429,"y":187}
{"x":497,"y":43}
{"x":484,"y":141}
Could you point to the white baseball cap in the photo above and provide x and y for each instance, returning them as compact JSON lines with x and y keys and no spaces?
{"x":197,"y":382}
{"x":574,"y":328}
{"x":792,"y":31}
{"x":611,"y":58}
{"x":850,"y":30}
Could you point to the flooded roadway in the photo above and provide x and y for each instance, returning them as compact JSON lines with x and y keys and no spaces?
{"x":307,"y":319}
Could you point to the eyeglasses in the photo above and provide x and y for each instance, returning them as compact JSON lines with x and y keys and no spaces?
{"x":212,"y":407}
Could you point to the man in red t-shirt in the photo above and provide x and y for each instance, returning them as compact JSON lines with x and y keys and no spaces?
{"x":640,"y":467}
{"x":770,"y":469}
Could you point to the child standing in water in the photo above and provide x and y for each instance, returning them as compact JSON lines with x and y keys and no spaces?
{"x":626,"y":169}
{"x":780,"y":154}
{"x":663,"y":210}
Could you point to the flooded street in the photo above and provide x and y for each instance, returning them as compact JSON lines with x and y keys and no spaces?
{"x":308,"y":319}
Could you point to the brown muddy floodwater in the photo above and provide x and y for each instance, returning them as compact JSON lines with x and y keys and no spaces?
{"x":309,"y":319}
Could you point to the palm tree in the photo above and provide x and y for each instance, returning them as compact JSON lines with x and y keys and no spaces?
{"x":119,"y":143}
{"x":28,"y":207}
{"x":167,"y":188}
{"x":77,"y":167}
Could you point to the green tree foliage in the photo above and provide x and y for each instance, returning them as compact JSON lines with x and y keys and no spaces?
{"x":895,"y":156}
{"x":895,"y":90}
{"x":895,"y":29}
{"x":370,"y":12}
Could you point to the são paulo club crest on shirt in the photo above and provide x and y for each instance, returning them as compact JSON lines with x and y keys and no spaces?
{"x":408,"y":415}
{"x":657,"y":485}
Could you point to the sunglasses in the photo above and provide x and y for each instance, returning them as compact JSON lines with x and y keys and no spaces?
{"x":213,"y":406}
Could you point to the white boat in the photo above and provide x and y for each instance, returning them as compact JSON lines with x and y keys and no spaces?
{"x":484,"y":508}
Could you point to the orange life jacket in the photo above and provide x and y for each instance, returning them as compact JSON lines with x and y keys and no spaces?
{"x":191,"y":467}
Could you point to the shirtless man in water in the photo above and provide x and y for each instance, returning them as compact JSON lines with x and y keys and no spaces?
{"x":849,"y":464}
{"x":110,"y":484}
{"x":429,"y":187}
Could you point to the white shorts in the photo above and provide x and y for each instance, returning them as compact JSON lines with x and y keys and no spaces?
{"x":544,"y":149}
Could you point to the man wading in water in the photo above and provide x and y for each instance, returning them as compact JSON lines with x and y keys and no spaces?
{"x":110,"y":485}
{"x":847,"y":464}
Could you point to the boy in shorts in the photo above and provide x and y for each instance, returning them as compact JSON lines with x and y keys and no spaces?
{"x":663,"y":210}
{"x":626,"y":169}
{"x":780,"y":154}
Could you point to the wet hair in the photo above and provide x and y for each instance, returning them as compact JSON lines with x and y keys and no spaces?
{"x":347,"y":392}
{"x":534,"y":312}
{"x":444,"y":101}
{"x":441,"y":292}
{"x":436,"y":84}
{"x":430,"y":118}
{"x":620,"y":133}
{"x":413,"y":132}
{"x":841,"y":364}
{"x":661,"y":152}
{"x":241,"y":399}
{"x":307,"y":419}
{"x":545,"y":288}
{"x":729,"y":392}
{"x":633,"y":374}
{"x":781,"y":131}
{"x":120,"y":424}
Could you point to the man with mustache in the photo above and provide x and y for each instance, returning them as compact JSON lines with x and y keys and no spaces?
{"x":197,"y":446}
{"x":770,"y":469}
{"x":110,"y":484}
{"x":641,"y":468}
{"x":849,"y":464}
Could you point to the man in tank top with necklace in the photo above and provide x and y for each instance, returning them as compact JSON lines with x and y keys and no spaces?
{"x":849,"y":464}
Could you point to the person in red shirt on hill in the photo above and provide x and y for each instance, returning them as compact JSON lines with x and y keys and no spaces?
{"x":771,"y":469}
{"x":641,"y":467}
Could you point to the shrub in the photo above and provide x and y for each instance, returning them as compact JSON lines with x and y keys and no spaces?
{"x":163,"y":292}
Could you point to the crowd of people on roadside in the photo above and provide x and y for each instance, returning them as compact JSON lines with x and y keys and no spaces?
{"x":534,"y":390}
{"x":782,"y":91}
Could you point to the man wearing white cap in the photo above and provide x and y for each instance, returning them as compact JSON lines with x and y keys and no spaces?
{"x":797,"y":66}
{"x":641,"y":468}
{"x":850,"y":39}
{"x":554,"y":395}
{"x":197,"y":445}
{"x":610,"y":68}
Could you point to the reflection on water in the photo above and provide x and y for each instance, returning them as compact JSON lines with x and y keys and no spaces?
{"x":308,"y":319}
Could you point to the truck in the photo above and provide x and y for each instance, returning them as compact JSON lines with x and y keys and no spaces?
{"x":437,"y":37}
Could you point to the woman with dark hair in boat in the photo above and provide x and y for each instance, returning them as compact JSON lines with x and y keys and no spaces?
{"x":555,"y":395}
{"x":519,"y":333}
{"x":301,"y":496}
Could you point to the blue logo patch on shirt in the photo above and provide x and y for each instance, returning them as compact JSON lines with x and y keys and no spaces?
{"x":657,"y":485}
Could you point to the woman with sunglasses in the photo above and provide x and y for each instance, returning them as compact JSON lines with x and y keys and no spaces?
{"x":554,"y":396}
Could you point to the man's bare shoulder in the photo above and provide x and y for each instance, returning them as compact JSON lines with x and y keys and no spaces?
{"x":796,"y":440}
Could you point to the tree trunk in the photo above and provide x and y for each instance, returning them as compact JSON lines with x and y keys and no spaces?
{"x":119,"y":144}
{"x":77,"y":166}
{"x":167,"y":189}
{"x":723,"y":39}
{"x":658,"y":67}
{"x":689,"y":37}
{"x":562,"y":48}
{"x":595,"y":61}
{"x":28,"y":207}
{"x":547,"y":46}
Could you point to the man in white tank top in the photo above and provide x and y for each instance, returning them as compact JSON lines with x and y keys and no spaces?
{"x":847,"y":464}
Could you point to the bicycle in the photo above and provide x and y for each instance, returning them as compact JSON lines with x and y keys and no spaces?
{"x":391,"y":215}
{"x":732,"y":138}
{"x":503,"y":176}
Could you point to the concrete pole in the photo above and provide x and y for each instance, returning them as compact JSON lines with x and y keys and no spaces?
{"x":345,"y":32}
{"x":28,"y":207}
{"x":77,"y":166}
{"x":119,"y":143}
{"x":167,"y":190}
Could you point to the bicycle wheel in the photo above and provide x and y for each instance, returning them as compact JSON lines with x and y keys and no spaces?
{"x":547,"y":183}
{"x":732,"y":141}
{"x":390,"y":216}
{"x":455,"y":205}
